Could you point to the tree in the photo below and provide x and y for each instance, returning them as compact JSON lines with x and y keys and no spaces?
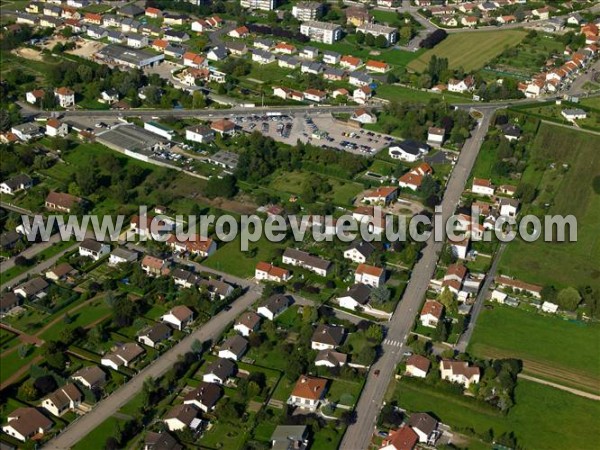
{"x":380,"y":294}
{"x":568,"y":299}
{"x":406,"y":33}
{"x":369,"y":39}
{"x":526,"y":192}
{"x":446,"y":298}
{"x":221,"y":187}
{"x":360,"y":37}
{"x":27,"y":391}
{"x":549,"y":294}
{"x":374,"y":333}
{"x":381,"y":41}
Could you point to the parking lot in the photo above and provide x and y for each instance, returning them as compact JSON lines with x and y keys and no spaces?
{"x":320,"y":129}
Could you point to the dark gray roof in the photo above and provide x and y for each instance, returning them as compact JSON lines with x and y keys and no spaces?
{"x":277,"y":303}
{"x":220,"y":51}
{"x":334,"y":71}
{"x":235,"y":344}
{"x":423,"y":422}
{"x":161,"y":441}
{"x":307,"y":258}
{"x":364,"y":248}
{"x":131,"y":10}
{"x":8,"y":300}
{"x":91,"y":244}
{"x":359,"y":292}
{"x":206,"y":394}
{"x":157,"y":333}
{"x":361,"y":76}
{"x":222,"y":368}
{"x":329,"y":335}
{"x":412,"y":147}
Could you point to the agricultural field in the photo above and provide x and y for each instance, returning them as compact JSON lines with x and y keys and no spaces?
{"x":569,"y":418}
{"x":402,"y":94}
{"x":567,"y":190}
{"x":550,"y":347}
{"x":471,"y":51}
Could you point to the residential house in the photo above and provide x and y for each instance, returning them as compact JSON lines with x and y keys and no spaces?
{"x":219,"y":371}
{"x":314,"y":68}
{"x":454,"y":277}
{"x":62,"y":202}
{"x":154,"y":266}
{"x":431,"y":314}
{"x":362,"y":95}
{"x":309,"y":53}
{"x":91,"y":248}
{"x":519,"y":286}
{"x":549,"y":307}
{"x":359,"y":251}
{"x":154,"y":335}
{"x":109,"y":96}
{"x":469,"y":21}
{"x":264,"y":5}
{"x":153,"y":13}
{"x":460,"y":247}
{"x":435,"y":136}
{"x":366,"y":214}
{"x":350,"y":62}
{"x":269,"y":272}
{"x":234,"y":348}
{"x":358,"y":15}
{"x":274,"y":306}
{"x":194,"y":245}
{"x":36,"y":287}
{"x":417,"y":366}
{"x":8,"y":301}
{"x":122,"y":255}
{"x":369,"y":275}
{"x":174,"y":19}
{"x":199,"y":133}
{"x":573,"y":114}
{"x":204,"y":397}
{"x":224,"y":127}
{"x":308,"y":392}
{"x":359,"y":79}
{"x":26,"y":131}
{"x":363,"y":116}
{"x":413,"y":178}
{"x":327,"y":337}
{"x":403,"y":438}
{"x":66,"y":398}
{"x":62,"y":271}
{"x":377,"y":66}
{"x":288,"y":62}
{"x":56,"y":128}
{"x":122,"y":355}
{"x":93,"y":18}
{"x":65,"y":97}
{"x":508,"y":207}
{"x":135,"y":40}
{"x":239,"y":33}
{"x":325,"y":32}
{"x":181,"y":417}
{"x":264,"y":44}
{"x":467,"y":84}
{"x":331,"y":57}
{"x":340,"y":92}
{"x":356,"y":297}
{"x":218,"y":53}
{"x":381,"y":195}
{"x":91,"y":377}
{"x":330,"y":358}
{"x":247,"y":323}
{"x":459,"y":372}
{"x":179,"y":316}
{"x":160,"y":441}
{"x":284,"y":48}
{"x":424,"y":425}
{"x":24,"y":423}
{"x":290,"y":436}
{"x":185,"y":278}
{"x":16,"y":184}
{"x":315,"y":95}
{"x":176,"y":36}
{"x":511,"y":132}
{"x":299,"y":258}
{"x":482,"y":187}
{"x":34,"y":96}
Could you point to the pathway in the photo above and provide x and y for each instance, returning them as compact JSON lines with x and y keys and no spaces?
{"x":560,"y":386}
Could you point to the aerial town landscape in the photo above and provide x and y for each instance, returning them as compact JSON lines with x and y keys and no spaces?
{"x":479,"y":117}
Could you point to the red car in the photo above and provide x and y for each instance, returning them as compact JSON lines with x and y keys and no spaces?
{"x":376,"y":373}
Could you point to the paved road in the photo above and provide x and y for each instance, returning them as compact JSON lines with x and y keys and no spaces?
{"x":197,"y":113}
{"x":110,"y":405}
{"x":359,"y":434}
{"x":463,"y":342}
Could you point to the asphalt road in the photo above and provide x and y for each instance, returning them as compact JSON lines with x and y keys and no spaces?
{"x":110,"y":405}
{"x":359,"y":434}
{"x":463,"y":342}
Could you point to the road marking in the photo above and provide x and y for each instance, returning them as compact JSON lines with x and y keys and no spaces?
{"x":392,"y":343}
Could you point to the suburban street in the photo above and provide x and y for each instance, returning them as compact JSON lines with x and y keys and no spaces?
{"x":359,"y":434}
{"x":110,"y":405}
{"x":463,"y":342}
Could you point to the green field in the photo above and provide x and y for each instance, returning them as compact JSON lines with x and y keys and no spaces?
{"x":568,"y":191}
{"x":400,"y":93}
{"x":342,"y":192}
{"x":470,"y":50}
{"x":229,"y":257}
{"x":551,"y":348}
{"x":542,"y":418}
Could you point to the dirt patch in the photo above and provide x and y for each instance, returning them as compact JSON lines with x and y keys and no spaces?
{"x":236,"y":206}
{"x":86,"y":49}
{"x":28,"y":53}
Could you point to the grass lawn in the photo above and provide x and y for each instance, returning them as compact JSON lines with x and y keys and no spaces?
{"x":344,"y":392}
{"x":231,"y":259}
{"x":268,"y":72}
{"x":400,"y":93}
{"x":13,"y":362}
{"x":83,"y":317}
{"x":223,"y":435}
{"x":551,"y":347}
{"x":568,"y":263}
{"x":327,"y":438}
{"x":97,"y":437}
{"x":471,"y":51}
{"x":342,"y":192}
{"x":566,"y":418}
